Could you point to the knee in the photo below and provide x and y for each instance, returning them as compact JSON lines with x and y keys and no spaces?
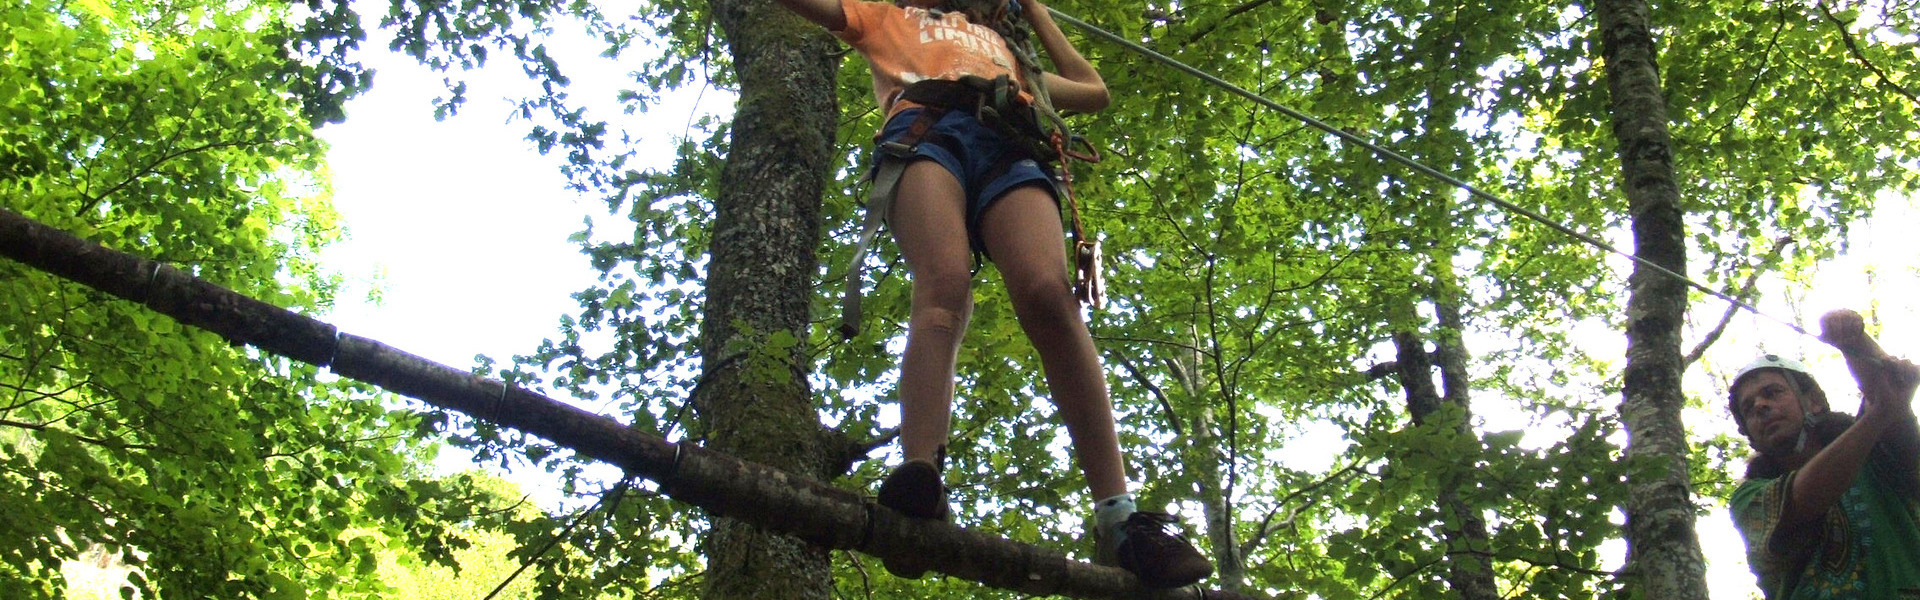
{"x":942,"y":301}
{"x":1044,"y":302}
{"x":943,"y":319}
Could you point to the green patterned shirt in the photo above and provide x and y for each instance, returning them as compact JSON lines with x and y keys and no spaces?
{"x":1867,"y":546}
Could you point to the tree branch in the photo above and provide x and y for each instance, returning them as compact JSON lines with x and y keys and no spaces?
{"x":1181,"y":345}
{"x":95,"y":200}
{"x":1260,"y":534}
{"x":1403,"y":578}
{"x":36,"y":395}
{"x":293,"y":453}
{"x":1140,"y":377}
{"x":1727,"y":317}
{"x":818,"y":514}
{"x":95,"y":441}
{"x":1555,"y":564}
{"x":1233,"y":12}
{"x":853,"y":450}
{"x":1854,"y":49}
{"x":1382,"y":370}
{"x":1753,"y":83}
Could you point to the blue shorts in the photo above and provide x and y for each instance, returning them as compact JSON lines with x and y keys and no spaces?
{"x":973,"y":153}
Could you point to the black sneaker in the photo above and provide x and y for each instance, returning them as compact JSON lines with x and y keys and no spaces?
{"x":1149,"y":545}
{"x":914,"y":489}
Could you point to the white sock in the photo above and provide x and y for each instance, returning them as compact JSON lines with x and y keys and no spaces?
{"x":1109,"y":512}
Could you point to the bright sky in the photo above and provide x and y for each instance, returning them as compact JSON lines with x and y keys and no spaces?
{"x":462,"y":229}
{"x":458,"y":227}
{"x":459,"y":224}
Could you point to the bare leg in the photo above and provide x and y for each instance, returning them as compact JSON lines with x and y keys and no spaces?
{"x":1023,"y":235}
{"x":929,"y":224}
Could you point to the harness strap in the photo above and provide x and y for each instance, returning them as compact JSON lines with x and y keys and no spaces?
{"x":936,"y":98}
{"x":879,"y":201}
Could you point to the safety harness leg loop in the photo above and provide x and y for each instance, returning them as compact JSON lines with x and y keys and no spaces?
{"x":1038,"y":131}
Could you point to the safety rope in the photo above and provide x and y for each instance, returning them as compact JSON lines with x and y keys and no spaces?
{"x":1007,"y":20}
{"x":1416,"y":166}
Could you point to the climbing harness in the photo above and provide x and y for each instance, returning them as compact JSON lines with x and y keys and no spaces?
{"x":936,"y":98}
{"x":1089,"y":286}
{"x":1034,"y":127}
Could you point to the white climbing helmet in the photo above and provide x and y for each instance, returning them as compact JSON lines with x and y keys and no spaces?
{"x":1770,"y":361}
{"x":1775,"y":361}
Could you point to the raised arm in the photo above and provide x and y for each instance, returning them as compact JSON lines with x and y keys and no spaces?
{"x":1886,"y":411}
{"x":1077,"y":86}
{"x":1886,"y":383}
{"x":1889,"y":381}
{"x":826,"y":13}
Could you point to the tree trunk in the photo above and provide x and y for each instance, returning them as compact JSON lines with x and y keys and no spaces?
{"x":759,"y":286}
{"x":1204,"y":451}
{"x":1663,"y":552}
{"x":1469,"y":571}
{"x":1216,"y":507}
{"x":1469,"y":549}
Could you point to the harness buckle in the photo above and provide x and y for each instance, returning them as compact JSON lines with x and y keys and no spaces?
{"x":896,"y":149}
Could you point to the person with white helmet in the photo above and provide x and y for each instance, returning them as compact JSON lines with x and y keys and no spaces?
{"x":1830,"y":505}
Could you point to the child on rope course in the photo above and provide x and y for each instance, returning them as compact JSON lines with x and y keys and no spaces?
{"x":1829,"y":504}
{"x":964,"y":186}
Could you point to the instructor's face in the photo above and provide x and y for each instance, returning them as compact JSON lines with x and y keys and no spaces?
{"x":1770,"y":409}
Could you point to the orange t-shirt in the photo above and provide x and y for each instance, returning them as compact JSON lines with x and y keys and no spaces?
{"x":906,"y":45}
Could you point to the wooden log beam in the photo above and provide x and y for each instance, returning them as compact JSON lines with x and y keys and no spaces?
{"x":820,"y":514}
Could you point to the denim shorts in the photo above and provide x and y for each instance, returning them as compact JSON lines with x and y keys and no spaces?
{"x":972,"y":152}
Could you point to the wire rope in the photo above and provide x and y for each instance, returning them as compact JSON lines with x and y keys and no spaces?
{"x":1396,"y":157}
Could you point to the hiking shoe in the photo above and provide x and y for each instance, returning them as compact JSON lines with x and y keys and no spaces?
{"x":1149,"y":545}
{"x":914,"y":489}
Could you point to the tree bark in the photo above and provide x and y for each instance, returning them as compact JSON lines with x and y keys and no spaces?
{"x":1469,"y":570}
{"x":1663,"y":551}
{"x":1223,"y":536}
{"x":1205,"y":458}
{"x":759,"y":287}
{"x":1469,"y":547}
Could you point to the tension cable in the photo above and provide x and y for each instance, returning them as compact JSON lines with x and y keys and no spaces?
{"x":1395,"y":157}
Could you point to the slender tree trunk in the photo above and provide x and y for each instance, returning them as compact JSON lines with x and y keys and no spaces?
{"x":1203,"y":449}
{"x":1205,"y":457}
{"x":1469,"y":573}
{"x":759,"y":285}
{"x":1469,"y":548}
{"x":1663,"y":552}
